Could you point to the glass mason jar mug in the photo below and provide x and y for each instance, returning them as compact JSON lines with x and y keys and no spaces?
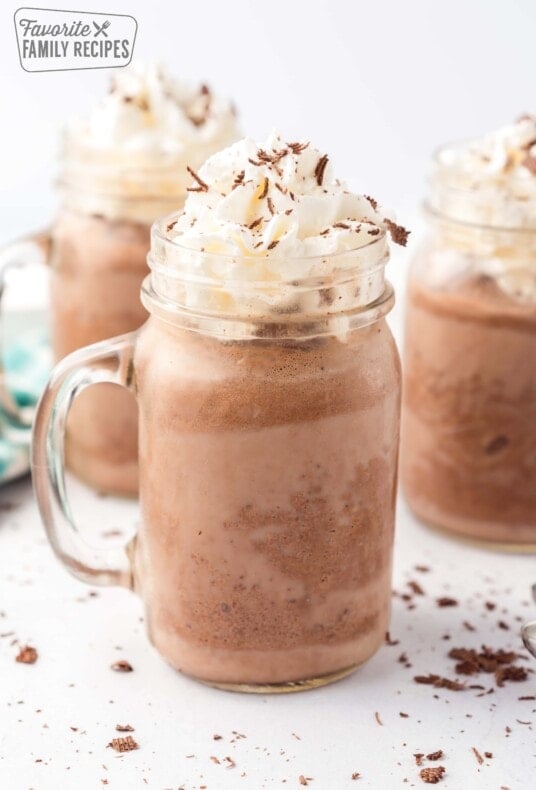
{"x":268,"y":440}
{"x":468,"y":453}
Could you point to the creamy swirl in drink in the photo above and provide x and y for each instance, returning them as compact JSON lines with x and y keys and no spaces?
{"x":123,"y":165}
{"x":268,"y":436}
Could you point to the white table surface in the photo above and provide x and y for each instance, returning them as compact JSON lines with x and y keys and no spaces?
{"x":327,"y":734}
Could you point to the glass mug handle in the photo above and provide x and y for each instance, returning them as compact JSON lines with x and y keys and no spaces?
{"x":12,"y":257}
{"x":109,"y":361}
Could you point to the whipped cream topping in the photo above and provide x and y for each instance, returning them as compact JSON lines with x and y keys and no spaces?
{"x":491,"y":180}
{"x":489,"y":184}
{"x":273,"y":213}
{"x":138,"y":140}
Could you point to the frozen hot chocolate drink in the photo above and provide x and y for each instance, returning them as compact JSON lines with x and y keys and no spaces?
{"x":469,"y":418}
{"x":123,"y":166}
{"x":268,"y":386}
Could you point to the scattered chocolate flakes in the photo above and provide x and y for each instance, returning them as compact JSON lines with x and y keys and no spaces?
{"x":377,"y":717}
{"x":124,"y":728}
{"x":239,"y":179}
{"x":468,"y":626}
{"x":422,"y":568}
{"x":373,"y":203}
{"x":202,"y":186}
{"x":374,"y":232}
{"x":389,"y":641}
{"x":489,"y":755}
{"x":127,"y":744}
{"x":302,"y":780}
{"x":169,"y":227}
{"x":418,"y":758}
{"x":255,"y":223}
{"x":273,"y":244}
{"x":531,"y":697}
{"x":490,"y":606}
{"x":435,"y":755}
{"x":500,"y":662}
{"x":504,"y":626}
{"x":215,"y":760}
{"x":27,"y":655}
{"x":403,"y":715}
{"x":355,"y":775}
{"x":122,"y":666}
{"x":478,"y":756}
{"x":439,"y":683}
{"x":270,"y":204}
{"x":432,"y":776}
{"x":230,"y":762}
{"x":320,"y":168}
{"x":217,"y":737}
{"x":446,"y":601}
{"x":342,"y":225}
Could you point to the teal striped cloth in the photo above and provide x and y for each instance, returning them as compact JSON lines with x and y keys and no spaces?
{"x":27,"y":361}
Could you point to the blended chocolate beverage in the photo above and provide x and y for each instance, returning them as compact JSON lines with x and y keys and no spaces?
{"x":268,"y":386}
{"x":123,"y":166}
{"x":468,"y":459}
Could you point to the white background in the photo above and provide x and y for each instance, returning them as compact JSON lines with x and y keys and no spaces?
{"x":377,"y":85}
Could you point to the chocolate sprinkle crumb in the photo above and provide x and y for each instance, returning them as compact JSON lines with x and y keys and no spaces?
{"x":398,"y":233}
{"x":435,"y":755}
{"x":124,"y":728}
{"x":418,"y":758}
{"x":264,"y":190}
{"x":478,"y":756}
{"x":127,"y":744}
{"x":320,"y":168}
{"x":122,"y":666}
{"x":446,"y":601}
{"x":171,"y":225}
{"x":202,"y":186}
{"x":27,"y":655}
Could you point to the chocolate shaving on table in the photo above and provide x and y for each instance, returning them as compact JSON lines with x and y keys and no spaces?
{"x":124,"y":728}
{"x":432,"y":776}
{"x":433,"y":756}
{"x":439,"y":682}
{"x":27,"y":655}
{"x":320,"y":168}
{"x":446,"y":601}
{"x":398,"y":233}
{"x":127,"y":744}
{"x":479,"y":758}
{"x":202,"y":186}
